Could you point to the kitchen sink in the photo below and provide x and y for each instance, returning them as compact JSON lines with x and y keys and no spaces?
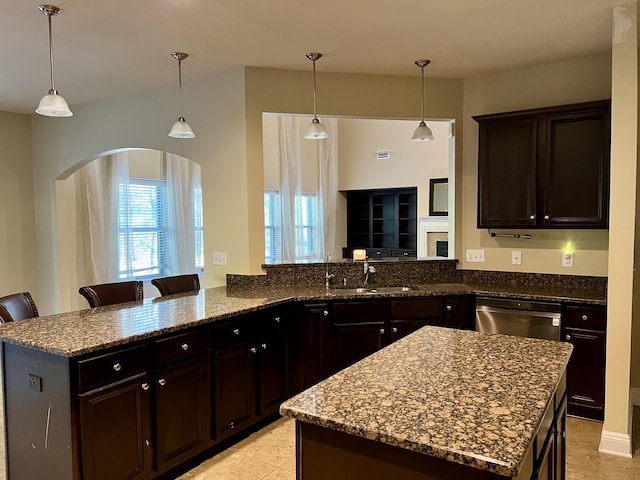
{"x":371,"y":290}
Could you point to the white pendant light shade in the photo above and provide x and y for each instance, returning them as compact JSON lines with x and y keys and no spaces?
{"x":315,"y":131}
{"x":423,"y":132}
{"x":52,"y":104}
{"x":181,"y":129}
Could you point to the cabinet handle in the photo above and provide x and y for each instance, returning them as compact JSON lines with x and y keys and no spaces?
{"x":585,"y":317}
{"x":147,"y":443}
{"x":395,"y":329}
{"x":276,"y":319}
{"x":185,"y":346}
{"x":568,"y":337}
{"x":325,"y":313}
{"x":236,"y":331}
{"x":264,"y":346}
{"x":162,"y":382}
{"x":145,"y":386}
{"x":532,"y":217}
{"x":546,"y":217}
{"x":449,"y":307}
{"x":117,"y":367}
{"x":382,"y":331}
{"x":254,"y":350}
{"x":231,"y":425}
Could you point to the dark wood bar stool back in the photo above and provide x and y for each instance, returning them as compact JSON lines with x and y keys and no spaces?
{"x":112,"y":293}
{"x":17,"y":306}
{"x":177,"y":284}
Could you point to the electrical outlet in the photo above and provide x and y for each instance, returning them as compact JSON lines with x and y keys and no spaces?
{"x":516,"y":257}
{"x":219,"y":258}
{"x":567,"y":259}
{"x":475,"y":256}
{"x":35,"y":382}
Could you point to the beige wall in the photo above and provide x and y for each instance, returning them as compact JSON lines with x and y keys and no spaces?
{"x":553,"y":84}
{"x":373,"y":96}
{"x":214,"y":106}
{"x":17,"y":223}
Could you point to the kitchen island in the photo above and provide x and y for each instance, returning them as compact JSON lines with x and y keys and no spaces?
{"x":438,"y":404}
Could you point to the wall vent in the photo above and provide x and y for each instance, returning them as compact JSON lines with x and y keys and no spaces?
{"x":383,"y":154}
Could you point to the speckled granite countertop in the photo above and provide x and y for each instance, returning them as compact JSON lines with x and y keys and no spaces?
{"x":76,"y":333}
{"x":452,"y":394}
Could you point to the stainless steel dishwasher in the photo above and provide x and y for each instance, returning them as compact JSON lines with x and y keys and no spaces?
{"x":518,"y":317}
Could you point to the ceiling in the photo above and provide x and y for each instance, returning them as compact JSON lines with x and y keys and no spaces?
{"x":118,"y":47}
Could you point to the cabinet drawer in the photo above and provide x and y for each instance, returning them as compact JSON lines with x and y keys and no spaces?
{"x":360,"y":312}
{"x":417,"y":308}
{"x":234,"y":333}
{"x":378,"y":252}
{"x":112,"y":366}
{"x":590,"y":318}
{"x":178,"y":347}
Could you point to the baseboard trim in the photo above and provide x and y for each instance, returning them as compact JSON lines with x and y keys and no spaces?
{"x":615,"y":443}
{"x":635,"y":396}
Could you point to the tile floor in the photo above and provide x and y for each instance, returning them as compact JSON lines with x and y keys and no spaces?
{"x":269,"y":454}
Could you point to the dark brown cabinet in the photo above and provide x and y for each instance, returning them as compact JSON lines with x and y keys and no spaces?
{"x":545,"y":168}
{"x":314,"y":341}
{"x":458,"y":312}
{"x":411,"y":314}
{"x":584,"y":328}
{"x":115,"y":427}
{"x":382,"y":221}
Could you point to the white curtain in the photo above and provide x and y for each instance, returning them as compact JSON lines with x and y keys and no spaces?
{"x":183,"y":177}
{"x":328,"y":188}
{"x":290,"y":183}
{"x":98,"y":186}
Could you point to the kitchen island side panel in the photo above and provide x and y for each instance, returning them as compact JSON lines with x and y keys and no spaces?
{"x":37,"y":414}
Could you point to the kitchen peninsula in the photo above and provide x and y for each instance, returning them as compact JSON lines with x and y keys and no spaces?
{"x":144,"y":390}
{"x":438,"y":404}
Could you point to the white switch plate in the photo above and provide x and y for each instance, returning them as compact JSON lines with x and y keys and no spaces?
{"x":567,"y":259}
{"x":219,"y":258}
{"x":475,"y":256}
{"x":516,"y":257}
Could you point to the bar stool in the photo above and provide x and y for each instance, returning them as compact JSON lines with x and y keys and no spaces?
{"x":17,"y":306}
{"x":112,"y":293}
{"x":177,"y":284}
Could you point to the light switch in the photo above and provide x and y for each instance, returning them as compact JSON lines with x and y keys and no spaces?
{"x":219,"y":258}
{"x":567,"y":259}
{"x":476,"y":256}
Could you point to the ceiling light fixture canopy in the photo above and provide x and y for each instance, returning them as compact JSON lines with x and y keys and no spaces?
{"x":52,"y":104}
{"x":181,"y":129}
{"x":315,"y":131}
{"x":423,"y":132}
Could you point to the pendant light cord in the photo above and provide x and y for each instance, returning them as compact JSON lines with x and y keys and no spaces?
{"x":53,"y":85}
{"x":422,"y":118}
{"x":315,"y":107}
{"x":180,"y":85}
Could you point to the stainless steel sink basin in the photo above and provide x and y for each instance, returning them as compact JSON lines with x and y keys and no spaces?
{"x":371,"y":291}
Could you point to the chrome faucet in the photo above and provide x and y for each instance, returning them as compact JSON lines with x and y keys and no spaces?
{"x":328,"y":276}
{"x":367,"y":270}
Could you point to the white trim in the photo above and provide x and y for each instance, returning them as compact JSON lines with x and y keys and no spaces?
{"x":635,"y":396}
{"x":615,"y":443}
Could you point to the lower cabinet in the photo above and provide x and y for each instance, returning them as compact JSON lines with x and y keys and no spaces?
{"x":408,"y":315}
{"x":459,"y":312}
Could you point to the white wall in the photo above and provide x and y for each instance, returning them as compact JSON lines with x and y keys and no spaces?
{"x":214,"y":106}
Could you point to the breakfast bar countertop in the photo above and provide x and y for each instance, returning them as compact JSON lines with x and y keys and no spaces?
{"x":77,"y":333}
{"x":451,"y":394}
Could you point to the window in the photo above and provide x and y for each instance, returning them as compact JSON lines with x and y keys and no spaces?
{"x":306,"y":227}
{"x":198,"y":222}
{"x":141,"y":221}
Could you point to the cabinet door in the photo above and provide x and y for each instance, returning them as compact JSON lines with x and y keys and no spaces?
{"x":458,"y":313}
{"x":354,"y":341}
{"x":115,"y":426}
{"x":560,"y":455}
{"x":401,"y":328}
{"x":576,"y":173}
{"x":235,"y":391}
{"x":315,"y":343}
{"x":274,"y":379}
{"x":507,"y":158}
{"x":585,"y":373}
{"x":546,"y":466}
{"x":182,"y":406}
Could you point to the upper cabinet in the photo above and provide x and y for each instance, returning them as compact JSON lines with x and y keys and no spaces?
{"x":545,"y":168}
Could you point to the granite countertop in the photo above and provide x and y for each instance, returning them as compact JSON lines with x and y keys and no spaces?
{"x":77,"y":333}
{"x":452,"y":394}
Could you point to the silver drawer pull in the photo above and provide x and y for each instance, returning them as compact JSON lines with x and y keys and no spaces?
{"x":395,"y":330}
{"x":449,"y":308}
{"x":532,"y":217}
{"x":117,"y":367}
{"x":568,"y":337}
{"x":382,"y":331}
{"x":585,"y":317}
{"x":254,"y":350}
{"x":236,"y":331}
{"x":145,"y":386}
{"x":546,"y":217}
{"x":162,"y":382}
{"x":325,"y":313}
{"x":264,"y":346}
{"x":185,"y":346}
{"x":276,"y":319}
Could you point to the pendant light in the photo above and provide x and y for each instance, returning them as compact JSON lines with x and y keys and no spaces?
{"x":315,"y":131}
{"x":423,"y":132}
{"x":181,"y":129}
{"x":52,"y":104}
